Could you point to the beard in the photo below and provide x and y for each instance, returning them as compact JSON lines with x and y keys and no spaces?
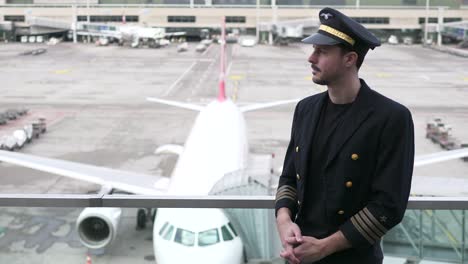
{"x":320,"y":81}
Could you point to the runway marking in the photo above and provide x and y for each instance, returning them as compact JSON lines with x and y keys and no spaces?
{"x":203,"y":54}
{"x":236,"y":77}
{"x":228,"y":68}
{"x":65,"y":71}
{"x":425,"y":77}
{"x":180,"y":78}
{"x":384,"y":75}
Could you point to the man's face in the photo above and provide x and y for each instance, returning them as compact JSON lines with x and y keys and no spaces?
{"x":327,"y":64}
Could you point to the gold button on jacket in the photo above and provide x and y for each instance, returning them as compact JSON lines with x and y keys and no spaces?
{"x":349,"y":184}
{"x":297,"y":148}
{"x":298,"y":176}
{"x":341,"y":212}
{"x":355,"y":156}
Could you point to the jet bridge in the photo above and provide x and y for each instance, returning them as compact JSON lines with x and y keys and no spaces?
{"x":257,"y":228}
{"x":280,"y":32}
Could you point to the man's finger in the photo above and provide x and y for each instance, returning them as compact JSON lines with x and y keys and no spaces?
{"x":292,"y":240}
{"x":298,"y":235}
{"x":288,"y":254}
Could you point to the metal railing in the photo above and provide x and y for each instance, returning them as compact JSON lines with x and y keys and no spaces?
{"x":145,"y":201}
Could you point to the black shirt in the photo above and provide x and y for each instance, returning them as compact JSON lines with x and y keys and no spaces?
{"x":314,"y":220}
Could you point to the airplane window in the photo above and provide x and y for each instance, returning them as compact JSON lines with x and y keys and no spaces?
{"x":184,"y":237}
{"x":208,"y":237}
{"x":226,"y":234}
{"x":232,"y":228}
{"x":163,"y":228}
{"x":169,"y":232}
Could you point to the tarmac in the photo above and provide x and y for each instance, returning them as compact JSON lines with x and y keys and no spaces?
{"x":95,"y":100}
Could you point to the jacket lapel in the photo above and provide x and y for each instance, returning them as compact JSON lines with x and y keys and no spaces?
{"x":311,"y":119}
{"x":353,"y":119}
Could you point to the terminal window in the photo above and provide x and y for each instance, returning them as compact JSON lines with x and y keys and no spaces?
{"x":14,"y":18}
{"x":435,"y":20}
{"x":19,"y":1}
{"x":235,"y":19}
{"x":108,"y":19}
{"x":372,"y":20}
{"x":409,"y":2}
{"x":181,"y":19}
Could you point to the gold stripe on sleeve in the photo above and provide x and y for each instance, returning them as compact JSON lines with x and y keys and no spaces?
{"x":359,"y":229}
{"x":366,"y":227}
{"x":369,"y":223}
{"x":374,"y":220}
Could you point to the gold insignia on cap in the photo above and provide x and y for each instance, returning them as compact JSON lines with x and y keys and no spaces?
{"x":337,"y":33}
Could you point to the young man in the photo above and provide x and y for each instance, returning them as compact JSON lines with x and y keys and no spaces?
{"x":347,"y":172}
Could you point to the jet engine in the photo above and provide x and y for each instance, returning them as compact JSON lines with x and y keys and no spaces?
{"x":97,"y":227}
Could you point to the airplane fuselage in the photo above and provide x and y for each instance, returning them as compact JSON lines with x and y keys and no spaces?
{"x":217,"y":145}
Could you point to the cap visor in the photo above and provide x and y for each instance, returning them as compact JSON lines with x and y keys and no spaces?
{"x":319,"y":39}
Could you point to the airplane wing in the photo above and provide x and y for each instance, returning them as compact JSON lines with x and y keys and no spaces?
{"x":439,"y":186}
{"x":126,"y":181}
{"x":176,"y":103}
{"x":440,"y":156}
{"x":253,"y":107}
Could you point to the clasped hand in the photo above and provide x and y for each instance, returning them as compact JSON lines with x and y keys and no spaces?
{"x":297,"y":248}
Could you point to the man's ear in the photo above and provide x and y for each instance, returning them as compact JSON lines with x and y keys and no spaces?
{"x":350,"y":58}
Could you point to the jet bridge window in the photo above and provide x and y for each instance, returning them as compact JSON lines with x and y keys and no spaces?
{"x":169,"y":232}
{"x":227,"y":236}
{"x":232,"y":228}
{"x":208,"y":237}
{"x":185,"y":237}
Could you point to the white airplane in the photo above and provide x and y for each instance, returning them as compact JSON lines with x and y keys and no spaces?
{"x":133,"y":34}
{"x":217,"y":145}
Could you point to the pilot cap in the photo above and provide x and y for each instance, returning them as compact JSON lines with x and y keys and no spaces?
{"x":337,"y":28}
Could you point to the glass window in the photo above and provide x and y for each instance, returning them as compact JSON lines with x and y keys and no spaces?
{"x":226,"y":234}
{"x":372,"y":20}
{"x":169,"y":232}
{"x":19,"y":1}
{"x":163,"y":228}
{"x":181,"y":19}
{"x":232,"y":228}
{"x":235,"y":19}
{"x":14,"y":18}
{"x":208,"y":237}
{"x":184,"y":237}
{"x":430,"y":20}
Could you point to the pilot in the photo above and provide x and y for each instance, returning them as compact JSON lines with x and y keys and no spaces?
{"x":347,"y":171}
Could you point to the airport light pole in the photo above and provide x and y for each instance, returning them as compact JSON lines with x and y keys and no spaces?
{"x":257,"y":19}
{"x":87,"y":20}
{"x":426,"y":20}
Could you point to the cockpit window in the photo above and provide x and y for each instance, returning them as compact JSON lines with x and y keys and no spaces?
{"x":208,"y":237}
{"x":163,"y":228}
{"x":169,"y":232}
{"x":185,"y":237}
{"x":232,"y":229}
{"x":226,"y":234}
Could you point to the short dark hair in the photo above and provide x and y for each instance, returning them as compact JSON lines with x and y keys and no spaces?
{"x":361,"y":52}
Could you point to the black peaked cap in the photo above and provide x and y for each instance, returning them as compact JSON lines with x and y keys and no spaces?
{"x":338,"y":28}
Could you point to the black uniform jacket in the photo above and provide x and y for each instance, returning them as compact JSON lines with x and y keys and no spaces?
{"x":367,"y":172}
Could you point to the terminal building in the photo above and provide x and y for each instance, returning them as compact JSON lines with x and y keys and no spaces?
{"x":263,"y":18}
